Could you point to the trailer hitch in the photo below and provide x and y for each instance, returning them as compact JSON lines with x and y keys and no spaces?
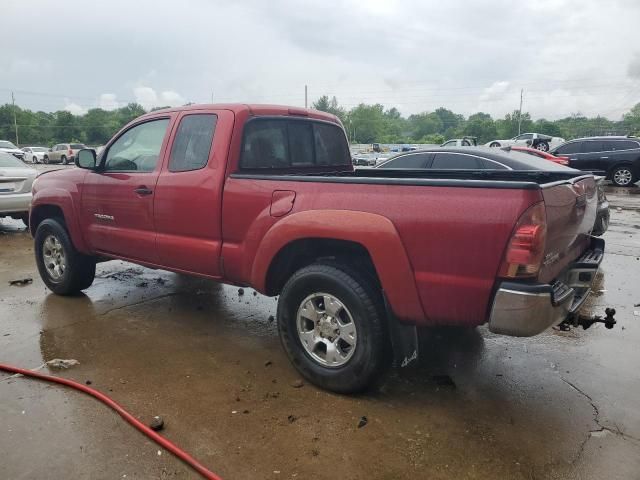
{"x":585,"y":321}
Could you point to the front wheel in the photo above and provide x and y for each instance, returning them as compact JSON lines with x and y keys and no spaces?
{"x":543,"y":146}
{"x":34,"y":160}
{"x":62,"y":268}
{"x":623,"y":176}
{"x":45,"y":160}
{"x":331,"y":325}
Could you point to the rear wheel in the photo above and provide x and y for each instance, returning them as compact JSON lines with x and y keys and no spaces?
{"x":543,"y":146}
{"x":623,"y":176}
{"x":331,"y":324}
{"x":494,"y":144}
{"x":62,"y":268}
{"x":64,"y":160}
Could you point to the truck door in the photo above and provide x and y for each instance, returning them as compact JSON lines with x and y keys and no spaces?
{"x":117,"y":199}
{"x":188,"y":200}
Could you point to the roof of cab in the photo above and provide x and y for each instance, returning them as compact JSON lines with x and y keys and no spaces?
{"x":254,"y":109}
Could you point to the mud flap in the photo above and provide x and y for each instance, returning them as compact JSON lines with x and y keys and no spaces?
{"x":404,"y":339}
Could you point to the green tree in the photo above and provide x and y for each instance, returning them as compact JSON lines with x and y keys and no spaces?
{"x":482,"y":126}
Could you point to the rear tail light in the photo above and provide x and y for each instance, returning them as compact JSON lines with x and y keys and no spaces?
{"x":70,"y":152}
{"x":524,"y":253}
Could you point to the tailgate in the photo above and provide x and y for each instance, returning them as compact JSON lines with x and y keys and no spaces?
{"x":571,"y":212}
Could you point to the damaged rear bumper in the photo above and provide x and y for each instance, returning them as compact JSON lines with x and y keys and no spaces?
{"x":523,"y":310}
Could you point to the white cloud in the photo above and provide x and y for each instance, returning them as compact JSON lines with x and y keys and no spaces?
{"x":74,"y":108}
{"x":148,"y":98}
{"x":108,"y":101}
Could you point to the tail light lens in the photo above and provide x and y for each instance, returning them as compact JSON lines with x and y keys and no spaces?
{"x":525,"y":250}
{"x":70,"y":152}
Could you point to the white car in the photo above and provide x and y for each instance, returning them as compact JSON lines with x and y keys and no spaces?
{"x":16,"y":180}
{"x":533,"y":140}
{"x":34,"y":154}
{"x":7,"y":146}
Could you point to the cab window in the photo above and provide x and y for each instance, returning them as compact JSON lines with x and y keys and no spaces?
{"x":137,"y":149}
{"x":192,"y":143}
{"x":286,"y":143}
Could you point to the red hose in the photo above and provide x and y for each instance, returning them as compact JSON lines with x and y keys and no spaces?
{"x":159,"y":439}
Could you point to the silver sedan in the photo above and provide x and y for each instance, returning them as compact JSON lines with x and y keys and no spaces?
{"x":16,"y":180}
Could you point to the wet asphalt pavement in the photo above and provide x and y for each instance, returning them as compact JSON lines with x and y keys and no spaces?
{"x":560,"y":405}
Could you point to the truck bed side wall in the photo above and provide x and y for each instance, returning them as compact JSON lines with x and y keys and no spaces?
{"x":453,"y":238}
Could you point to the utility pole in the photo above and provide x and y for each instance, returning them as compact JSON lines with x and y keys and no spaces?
{"x":15,"y":120}
{"x":520,"y":111}
{"x":212,"y":97}
{"x":305,"y":96}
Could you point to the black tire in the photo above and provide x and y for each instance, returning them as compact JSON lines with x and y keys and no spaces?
{"x":63,"y":159}
{"x":45,"y":160}
{"x":364,"y":302}
{"x":543,"y":146}
{"x":494,"y":144}
{"x":34,"y":159}
{"x":80,"y":269}
{"x":623,"y":176}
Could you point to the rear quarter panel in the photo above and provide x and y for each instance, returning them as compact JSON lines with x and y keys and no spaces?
{"x":454,"y":237}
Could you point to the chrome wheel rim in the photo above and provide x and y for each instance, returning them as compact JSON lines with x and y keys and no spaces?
{"x":53,"y":257}
{"x":542,"y":146}
{"x":623,"y":176}
{"x":326,"y":330}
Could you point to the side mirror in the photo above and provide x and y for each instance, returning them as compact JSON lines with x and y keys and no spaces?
{"x":51,"y":149}
{"x":86,"y":158}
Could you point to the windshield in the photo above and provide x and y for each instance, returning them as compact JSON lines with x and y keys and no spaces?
{"x":5,"y":144}
{"x":7,"y":160}
{"x":77,"y":146}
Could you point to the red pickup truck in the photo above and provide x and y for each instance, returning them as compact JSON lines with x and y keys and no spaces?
{"x":266,"y":196}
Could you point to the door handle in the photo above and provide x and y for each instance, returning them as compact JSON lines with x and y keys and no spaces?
{"x":142,"y":190}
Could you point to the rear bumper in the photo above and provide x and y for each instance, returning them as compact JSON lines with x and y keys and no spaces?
{"x":524,"y":310}
{"x":14,"y":203}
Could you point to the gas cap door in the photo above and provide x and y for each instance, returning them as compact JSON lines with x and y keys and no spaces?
{"x":282,"y":202}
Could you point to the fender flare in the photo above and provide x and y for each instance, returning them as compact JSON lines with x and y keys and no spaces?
{"x":375,"y":233}
{"x":61,"y":198}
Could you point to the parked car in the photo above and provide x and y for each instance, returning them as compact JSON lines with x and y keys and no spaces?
{"x":541,"y":154}
{"x":8,"y":147}
{"x":34,"y":154}
{"x":534,"y":140}
{"x":63,"y":153}
{"x":16,"y":179}
{"x":461,"y":142}
{"x":482,"y":158}
{"x":617,"y":158}
{"x":257,"y":196}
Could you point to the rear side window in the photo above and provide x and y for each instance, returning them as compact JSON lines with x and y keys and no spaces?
{"x":192,"y":143}
{"x":455,"y":161}
{"x":624,"y":145}
{"x":592,"y":146}
{"x":573,"y":147}
{"x":77,"y":146}
{"x":415,"y":160}
{"x":283,"y":143}
{"x":331,"y":146}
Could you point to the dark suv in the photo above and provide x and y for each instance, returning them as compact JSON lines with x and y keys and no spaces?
{"x":618,"y":158}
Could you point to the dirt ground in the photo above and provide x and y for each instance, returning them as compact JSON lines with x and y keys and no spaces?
{"x":208,"y":360}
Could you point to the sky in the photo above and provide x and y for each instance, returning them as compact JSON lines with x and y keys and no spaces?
{"x":568,"y":56}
